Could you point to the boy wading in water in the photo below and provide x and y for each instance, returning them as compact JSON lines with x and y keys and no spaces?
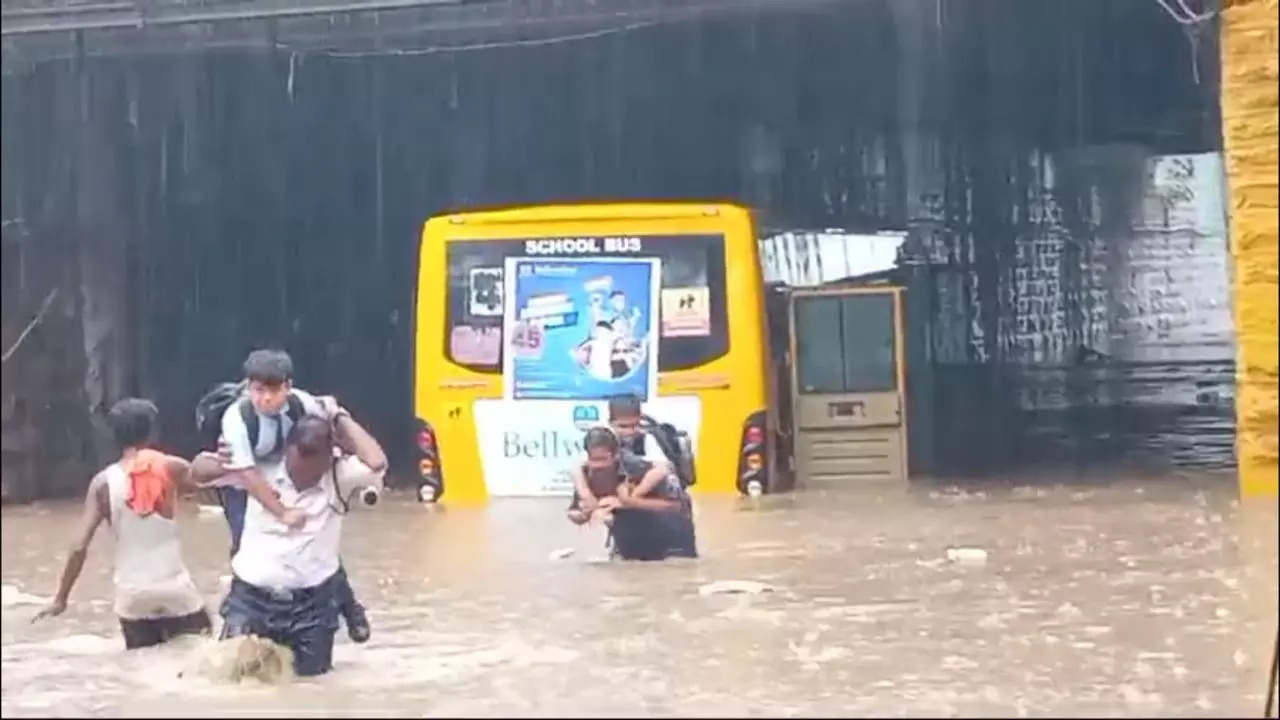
{"x":644,"y":505}
{"x":155,"y":597}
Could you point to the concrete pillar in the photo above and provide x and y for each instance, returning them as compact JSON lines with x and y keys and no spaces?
{"x":919,"y":26}
{"x":1250,"y":72}
{"x":103,"y":245}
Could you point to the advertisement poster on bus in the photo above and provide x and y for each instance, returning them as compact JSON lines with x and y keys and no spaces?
{"x":580,"y":328}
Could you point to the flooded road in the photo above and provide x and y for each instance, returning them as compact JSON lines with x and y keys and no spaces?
{"x":1133,"y":600}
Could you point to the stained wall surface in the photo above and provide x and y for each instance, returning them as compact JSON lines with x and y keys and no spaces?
{"x":1250,"y":130}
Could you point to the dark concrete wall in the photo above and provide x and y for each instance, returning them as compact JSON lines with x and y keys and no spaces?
{"x":274,"y":194}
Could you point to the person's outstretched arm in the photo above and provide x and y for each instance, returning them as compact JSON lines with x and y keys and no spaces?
{"x":638,"y":498}
{"x":244,"y":466}
{"x":95,"y":510}
{"x":352,"y":437}
{"x":209,"y":469}
{"x":587,"y":501}
{"x":367,"y":464}
{"x":179,"y":472}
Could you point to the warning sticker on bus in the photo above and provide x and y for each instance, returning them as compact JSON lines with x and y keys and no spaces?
{"x":686,"y":312}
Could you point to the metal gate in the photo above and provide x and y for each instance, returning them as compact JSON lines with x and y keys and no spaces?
{"x":847,"y":397}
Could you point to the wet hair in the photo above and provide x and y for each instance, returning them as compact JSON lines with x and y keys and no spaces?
{"x":605,"y":324}
{"x":311,"y":435}
{"x":621,"y":406}
{"x":616,"y":293}
{"x":603,"y":482}
{"x":133,"y":422}
{"x":600,"y":438}
{"x":269,"y":367}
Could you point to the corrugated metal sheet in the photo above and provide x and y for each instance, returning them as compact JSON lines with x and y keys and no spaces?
{"x":805,"y":259}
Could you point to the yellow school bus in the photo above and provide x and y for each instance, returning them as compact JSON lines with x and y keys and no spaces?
{"x":474,"y":441}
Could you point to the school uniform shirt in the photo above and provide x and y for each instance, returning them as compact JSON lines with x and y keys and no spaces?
{"x":272,"y":430}
{"x":273,"y":556}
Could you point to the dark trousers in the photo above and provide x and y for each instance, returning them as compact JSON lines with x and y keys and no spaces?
{"x":650,"y":534}
{"x":148,"y":632}
{"x":235,"y":502}
{"x":305,"y":621}
{"x":653,"y":535}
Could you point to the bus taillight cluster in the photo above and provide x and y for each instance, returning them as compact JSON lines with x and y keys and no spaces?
{"x":430,"y":477}
{"x":753,"y":459}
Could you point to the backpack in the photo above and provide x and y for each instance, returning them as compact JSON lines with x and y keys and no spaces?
{"x":214,"y":404}
{"x":675,"y":444}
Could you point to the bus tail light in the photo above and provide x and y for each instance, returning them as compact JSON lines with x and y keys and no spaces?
{"x":430,"y":476}
{"x":426,"y":440}
{"x":753,"y":455}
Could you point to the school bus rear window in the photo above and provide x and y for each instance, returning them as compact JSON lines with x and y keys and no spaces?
{"x":692,"y":312}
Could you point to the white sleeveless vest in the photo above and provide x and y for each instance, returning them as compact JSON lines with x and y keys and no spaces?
{"x":151,"y":579}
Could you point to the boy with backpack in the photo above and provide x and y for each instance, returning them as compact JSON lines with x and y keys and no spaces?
{"x":641,"y":440}
{"x":644,"y":506}
{"x":657,"y":442}
{"x":250,"y":421}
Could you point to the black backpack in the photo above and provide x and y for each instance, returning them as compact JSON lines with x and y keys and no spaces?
{"x":214,"y":404}
{"x":675,"y":445}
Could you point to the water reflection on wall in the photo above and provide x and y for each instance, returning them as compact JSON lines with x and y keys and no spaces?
{"x":1113,"y":339}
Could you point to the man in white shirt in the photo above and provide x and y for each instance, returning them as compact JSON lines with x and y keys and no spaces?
{"x":254,"y":430}
{"x":287,"y":581}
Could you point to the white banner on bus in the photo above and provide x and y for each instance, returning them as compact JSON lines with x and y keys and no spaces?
{"x":527,"y":447}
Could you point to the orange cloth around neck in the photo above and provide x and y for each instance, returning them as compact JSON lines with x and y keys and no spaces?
{"x":149,"y":482}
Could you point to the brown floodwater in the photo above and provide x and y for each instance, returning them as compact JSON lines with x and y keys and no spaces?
{"x":1137,"y":599}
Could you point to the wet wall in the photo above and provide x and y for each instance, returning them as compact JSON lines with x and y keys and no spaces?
{"x":1250,"y":97}
{"x":270,"y":191}
{"x":1112,"y":342}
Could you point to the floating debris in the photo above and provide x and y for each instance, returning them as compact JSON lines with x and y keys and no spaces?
{"x":967,"y":555}
{"x":734,"y":587}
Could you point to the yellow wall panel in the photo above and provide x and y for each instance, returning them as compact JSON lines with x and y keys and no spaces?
{"x":1251,"y":132}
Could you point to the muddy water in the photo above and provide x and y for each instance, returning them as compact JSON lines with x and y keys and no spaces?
{"x":1132,"y":600}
